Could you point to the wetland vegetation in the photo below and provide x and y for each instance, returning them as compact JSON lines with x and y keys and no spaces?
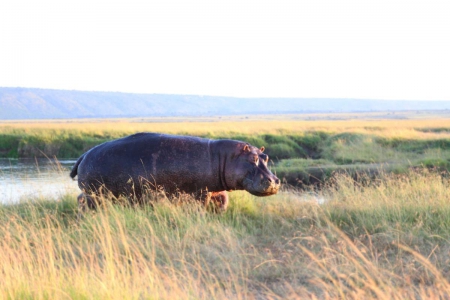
{"x":385,"y":235}
{"x":304,"y":149}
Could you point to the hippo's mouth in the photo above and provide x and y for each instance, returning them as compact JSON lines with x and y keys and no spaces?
{"x":260,"y":190}
{"x":264,"y":194}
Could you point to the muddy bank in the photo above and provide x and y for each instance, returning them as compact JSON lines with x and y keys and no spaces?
{"x":319,"y":175}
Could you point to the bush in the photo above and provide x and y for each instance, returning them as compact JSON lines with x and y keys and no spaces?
{"x":9,"y":145}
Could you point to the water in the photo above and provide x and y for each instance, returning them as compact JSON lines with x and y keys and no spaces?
{"x":24,"y":179}
{"x":312,"y":197}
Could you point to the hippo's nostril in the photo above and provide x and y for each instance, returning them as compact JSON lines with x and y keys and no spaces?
{"x":274,"y":181}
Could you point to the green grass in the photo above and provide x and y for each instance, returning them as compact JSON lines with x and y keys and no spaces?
{"x":357,"y":154}
{"x":386,"y":238}
{"x":71,"y":145}
{"x":301,"y":152}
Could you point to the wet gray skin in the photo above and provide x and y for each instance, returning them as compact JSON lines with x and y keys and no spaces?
{"x":203,"y":167}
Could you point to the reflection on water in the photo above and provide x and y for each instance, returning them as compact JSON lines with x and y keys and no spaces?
{"x":35,"y":178}
{"x":312,"y":197}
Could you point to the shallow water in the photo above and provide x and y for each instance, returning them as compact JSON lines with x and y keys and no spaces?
{"x":28,"y":179}
{"x":24,"y":179}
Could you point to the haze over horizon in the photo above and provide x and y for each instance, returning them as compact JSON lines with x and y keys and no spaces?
{"x":391,"y":50}
{"x":213,"y":96}
{"x":28,"y":103}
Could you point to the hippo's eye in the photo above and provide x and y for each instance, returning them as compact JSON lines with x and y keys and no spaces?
{"x":256,"y":160}
{"x":265,"y":158}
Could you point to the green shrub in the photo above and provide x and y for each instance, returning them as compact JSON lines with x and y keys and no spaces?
{"x":280,"y":151}
{"x":9,"y":145}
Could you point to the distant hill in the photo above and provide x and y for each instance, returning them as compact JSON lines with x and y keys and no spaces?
{"x":31,"y":103}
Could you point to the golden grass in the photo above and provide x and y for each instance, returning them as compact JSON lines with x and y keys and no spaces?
{"x":380,"y":127}
{"x":386,"y":240}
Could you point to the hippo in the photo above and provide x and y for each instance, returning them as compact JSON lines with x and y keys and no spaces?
{"x":204,"y":168}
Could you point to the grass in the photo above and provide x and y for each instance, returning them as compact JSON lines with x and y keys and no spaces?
{"x":288,"y":136}
{"x":384,"y":235}
{"x":305,"y":149}
{"x":383,"y":238}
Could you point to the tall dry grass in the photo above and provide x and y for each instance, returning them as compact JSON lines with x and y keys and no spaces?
{"x":385,"y":239}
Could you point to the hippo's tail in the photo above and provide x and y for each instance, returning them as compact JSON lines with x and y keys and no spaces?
{"x":74,"y":171}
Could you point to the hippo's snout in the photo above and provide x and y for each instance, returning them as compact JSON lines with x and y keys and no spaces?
{"x":273,"y":185}
{"x":264,"y":187}
{"x":274,"y":181}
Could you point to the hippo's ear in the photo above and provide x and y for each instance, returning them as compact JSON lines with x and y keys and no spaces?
{"x":246,"y":148}
{"x":262,"y":149}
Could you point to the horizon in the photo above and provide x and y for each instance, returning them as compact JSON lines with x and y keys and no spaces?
{"x":221,"y":96}
{"x":31,"y":103}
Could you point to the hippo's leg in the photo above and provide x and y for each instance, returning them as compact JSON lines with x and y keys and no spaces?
{"x":204,"y":197}
{"x":85,"y":202}
{"x":220,"y":201}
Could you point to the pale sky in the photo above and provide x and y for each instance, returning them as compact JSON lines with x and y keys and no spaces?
{"x":344,"y":49}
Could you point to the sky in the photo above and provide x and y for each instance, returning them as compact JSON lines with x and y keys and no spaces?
{"x":340,"y":49}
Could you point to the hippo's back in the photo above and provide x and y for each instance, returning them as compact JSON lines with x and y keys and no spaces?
{"x":148,"y":158}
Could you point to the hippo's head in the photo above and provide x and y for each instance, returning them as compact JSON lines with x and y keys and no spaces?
{"x":251,"y":172}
